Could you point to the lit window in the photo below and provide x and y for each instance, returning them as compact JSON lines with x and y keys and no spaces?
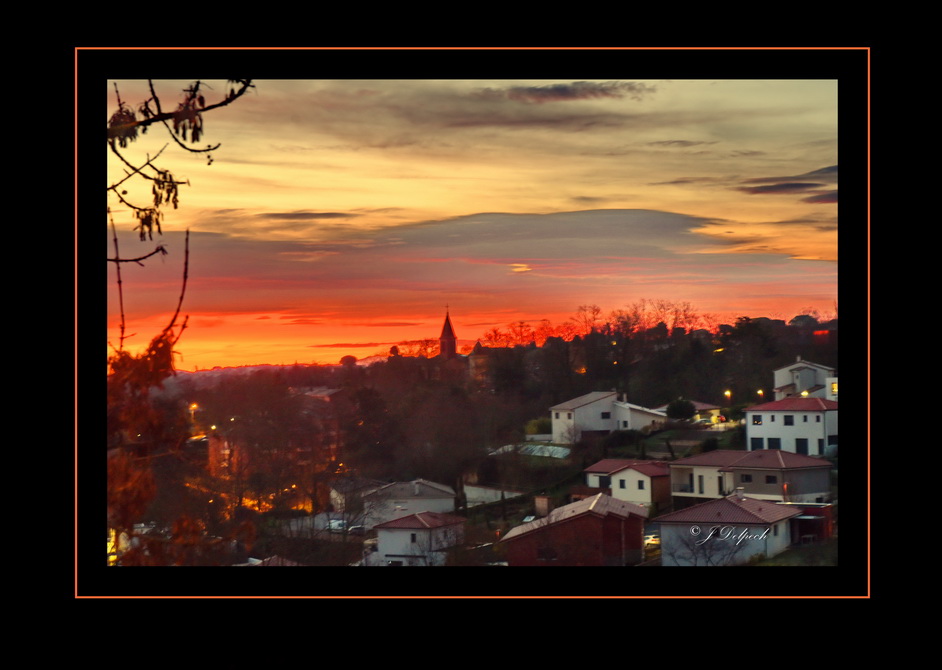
{"x":756,"y":419}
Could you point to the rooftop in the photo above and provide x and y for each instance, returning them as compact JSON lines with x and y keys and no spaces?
{"x":795,"y":404}
{"x":611,"y":465}
{"x":423,"y":521}
{"x":776,"y":459}
{"x":599,"y":504}
{"x":583,"y":400}
{"x":732,"y":509}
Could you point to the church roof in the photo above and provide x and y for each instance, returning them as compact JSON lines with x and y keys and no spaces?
{"x":448,"y":333}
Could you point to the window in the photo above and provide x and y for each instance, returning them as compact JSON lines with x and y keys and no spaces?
{"x":568,"y":415}
{"x":745,"y":479}
{"x":699,"y":483}
{"x":789,"y":419}
{"x":771,"y":479}
{"x":755,"y":443}
{"x":817,"y":419}
{"x":641,"y":485}
{"x":756,"y":419}
{"x":557,"y":415}
{"x":412,"y":538}
{"x":624,"y":424}
{"x":775,"y":530}
{"x":775,"y":443}
{"x":621,"y":483}
{"x":820,"y":446}
{"x":801,"y":446}
{"x":804,"y":418}
{"x":772,"y":419}
{"x":606,"y":415}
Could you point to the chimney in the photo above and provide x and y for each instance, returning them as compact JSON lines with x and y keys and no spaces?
{"x":415,"y":487}
{"x":740,"y":493}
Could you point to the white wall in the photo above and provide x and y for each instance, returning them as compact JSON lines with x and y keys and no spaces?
{"x":812,"y":426}
{"x":630,"y":492}
{"x":680,"y":476}
{"x":569,"y":424}
{"x":396,"y":544}
{"x":720,"y":545}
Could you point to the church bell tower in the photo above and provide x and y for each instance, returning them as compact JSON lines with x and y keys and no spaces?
{"x":448,"y":342}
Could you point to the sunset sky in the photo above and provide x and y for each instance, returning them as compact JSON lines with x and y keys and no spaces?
{"x":342,"y":216}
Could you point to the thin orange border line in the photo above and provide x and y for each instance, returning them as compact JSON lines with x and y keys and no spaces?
{"x":400,"y":48}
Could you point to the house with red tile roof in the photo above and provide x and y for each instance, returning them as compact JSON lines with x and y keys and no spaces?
{"x":642,"y":482}
{"x":397,"y":499}
{"x":420,"y":539}
{"x":774,"y":475}
{"x":597,"y":531}
{"x":727,"y":531}
{"x":801,"y":425}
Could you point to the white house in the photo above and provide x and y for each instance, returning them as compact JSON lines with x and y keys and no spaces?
{"x":598,"y":412}
{"x":417,"y":539}
{"x":728,"y":531}
{"x":399,"y":499}
{"x":804,"y":378}
{"x":800,"y":425}
{"x":775,"y":475}
{"x":644,"y":483}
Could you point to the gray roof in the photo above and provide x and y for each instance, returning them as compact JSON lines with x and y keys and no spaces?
{"x":583,"y":400}
{"x":417,"y":488}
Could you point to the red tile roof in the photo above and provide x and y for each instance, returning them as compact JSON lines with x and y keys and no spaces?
{"x":716,"y":458}
{"x":732,"y":510}
{"x":611,"y":465}
{"x":776,"y":459}
{"x":600,"y":504}
{"x":795,"y":404}
{"x":729,"y":459}
{"x":424,"y":520}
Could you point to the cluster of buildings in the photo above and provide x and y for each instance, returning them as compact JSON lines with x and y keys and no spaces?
{"x":717,"y":507}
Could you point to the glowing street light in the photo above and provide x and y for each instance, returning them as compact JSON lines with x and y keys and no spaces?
{"x":728,"y":394}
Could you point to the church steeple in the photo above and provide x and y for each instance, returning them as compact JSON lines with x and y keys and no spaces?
{"x":448,"y":342}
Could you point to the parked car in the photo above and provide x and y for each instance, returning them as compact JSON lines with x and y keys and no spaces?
{"x":652,"y":539}
{"x":336,"y":526}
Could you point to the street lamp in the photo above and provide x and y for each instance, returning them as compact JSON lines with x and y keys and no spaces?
{"x":728,"y":394}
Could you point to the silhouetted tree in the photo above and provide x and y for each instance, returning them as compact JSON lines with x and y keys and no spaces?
{"x":132,"y":377}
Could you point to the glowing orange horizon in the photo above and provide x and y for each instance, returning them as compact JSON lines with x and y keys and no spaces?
{"x":211,"y":341}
